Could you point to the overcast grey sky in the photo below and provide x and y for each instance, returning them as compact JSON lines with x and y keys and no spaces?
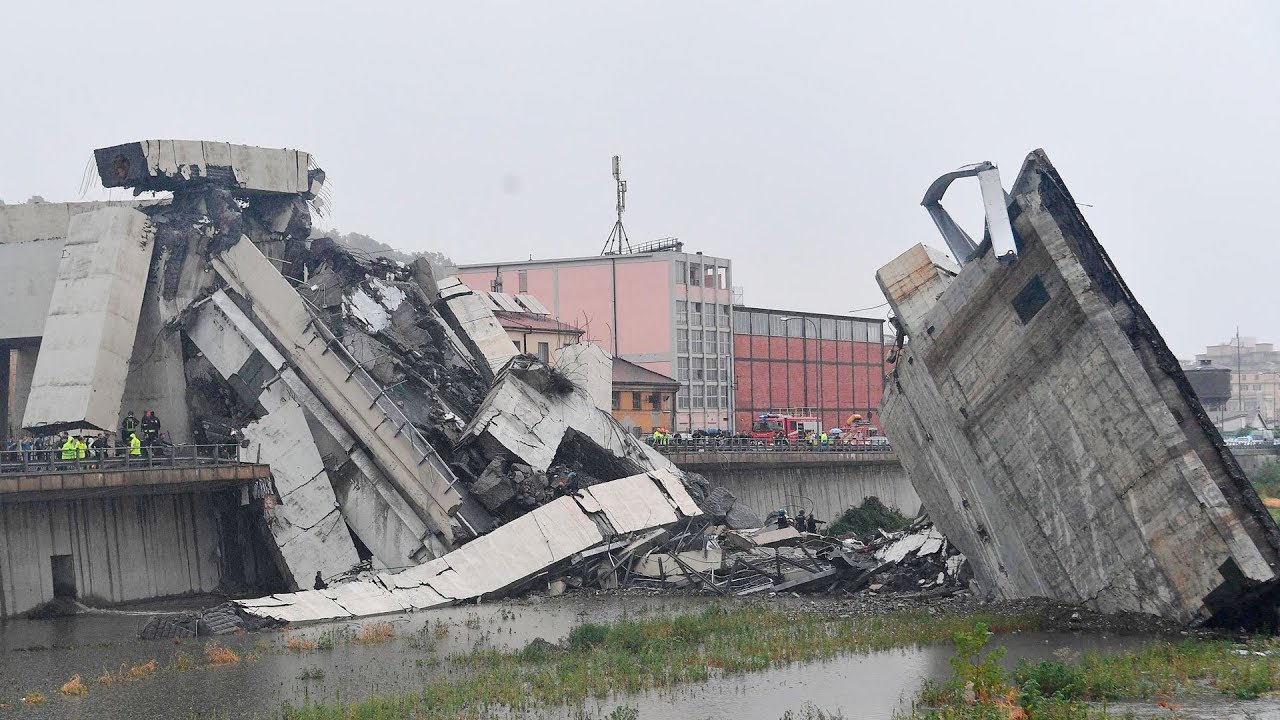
{"x":795,"y":138}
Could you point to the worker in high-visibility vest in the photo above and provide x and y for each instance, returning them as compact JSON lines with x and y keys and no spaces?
{"x":82,"y":448}
{"x":135,"y":446}
{"x":69,"y":448}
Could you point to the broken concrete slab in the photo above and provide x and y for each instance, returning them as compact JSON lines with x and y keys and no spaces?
{"x":181,"y":164}
{"x":92,"y":320}
{"x":395,"y":445}
{"x":475,"y":323}
{"x":590,"y":368}
{"x":374,"y":510}
{"x":1055,"y":439}
{"x":302,"y":524}
{"x":513,"y":554}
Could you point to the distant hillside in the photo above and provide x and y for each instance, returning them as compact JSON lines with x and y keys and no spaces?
{"x":441,"y":264}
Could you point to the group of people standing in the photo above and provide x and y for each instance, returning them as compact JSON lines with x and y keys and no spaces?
{"x":137,"y":437}
{"x":803,"y":523}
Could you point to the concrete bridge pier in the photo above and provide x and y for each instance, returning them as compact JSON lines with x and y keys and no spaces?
{"x":825,"y":482}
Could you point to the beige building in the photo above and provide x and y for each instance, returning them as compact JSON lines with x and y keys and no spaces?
{"x":529,"y":324}
{"x":1255,"y":376}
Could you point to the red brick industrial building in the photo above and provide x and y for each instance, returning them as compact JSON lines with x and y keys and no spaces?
{"x":834,"y":364}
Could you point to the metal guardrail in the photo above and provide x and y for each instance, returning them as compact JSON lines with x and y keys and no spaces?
{"x":118,"y":458}
{"x":735,"y":444}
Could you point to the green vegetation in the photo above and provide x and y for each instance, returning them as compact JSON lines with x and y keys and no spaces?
{"x":867,"y":518}
{"x":639,"y":654}
{"x":1267,"y":480}
{"x":1078,"y":688}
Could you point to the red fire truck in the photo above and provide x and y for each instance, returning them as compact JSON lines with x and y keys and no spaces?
{"x":784,"y":425}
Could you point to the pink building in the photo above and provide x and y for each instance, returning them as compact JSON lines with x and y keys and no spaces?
{"x":667,"y":311}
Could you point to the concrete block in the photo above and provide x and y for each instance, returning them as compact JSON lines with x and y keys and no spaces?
{"x":1056,"y":442}
{"x":179,"y":164}
{"x":590,"y":368}
{"x":93,"y":318}
{"x":471,"y":318}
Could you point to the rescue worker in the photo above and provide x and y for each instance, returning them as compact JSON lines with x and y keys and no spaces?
{"x":82,"y":448}
{"x":320,"y":583}
{"x":150,"y":427}
{"x":811,"y":525}
{"x":782,"y":520}
{"x":823,"y":439}
{"x":129,"y":425}
{"x":657,"y":437}
{"x":135,"y":446}
{"x":69,"y":448}
{"x":799,"y":521}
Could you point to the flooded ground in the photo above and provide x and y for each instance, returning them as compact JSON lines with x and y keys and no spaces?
{"x":38,"y":656}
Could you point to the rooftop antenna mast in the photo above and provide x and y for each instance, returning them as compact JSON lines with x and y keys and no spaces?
{"x":618,"y":242}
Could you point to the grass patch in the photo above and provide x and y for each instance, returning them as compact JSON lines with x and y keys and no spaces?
{"x":33,"y":698}
{"x":139,"y":672}
{"x":298,"y":645}
{"x":312,"y":673}
{"x":1078,"y":688}
{"x":638,"y":654}
{"x":74,"y":687}
{"x":375,"y":633}
{"x":215,"y":654}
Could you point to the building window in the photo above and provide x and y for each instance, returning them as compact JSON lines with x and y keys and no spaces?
{"x":828,"y":327}
{"x":724,"y":397}
{"x":682,"y":341}
{"x":680,"y":277}
{"x":860,"y":332}
{"x":759,"y":323}
{"x":742,"y":323}
{"x":713,"y":400}
{"x":682,"y":399}
{"x":682,"y":369}
{"x":617,"y":400}
{"x":635,"y":400}
{"x":698,"y":400}
{"x":777,"y":328}
{"x":695,"y":274}
{"x":696,"y":317}
{"x":544,"y":352}
{"x":724,"y":371}
{"x":655,"y":401}
{"x":722,"y":278}
{"x":682,"y":313}
{"x":724,"y":342}
{"x":844,"y":330}
{"x":522,"y":277}
{"x":709,"y":280}
{"x":517,"y":344}
{"x":724,"y":315}
{"x":873,"y":333}
{"x":698,"y":372}
{"x":695,"y":341}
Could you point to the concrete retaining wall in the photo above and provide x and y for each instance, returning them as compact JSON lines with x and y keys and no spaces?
{"x":122,"y":548}
{"x":1252,"y":459}
{"x":826,"y":483}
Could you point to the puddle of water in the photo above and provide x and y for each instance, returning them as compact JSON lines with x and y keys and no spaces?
{"x":40,"y":655}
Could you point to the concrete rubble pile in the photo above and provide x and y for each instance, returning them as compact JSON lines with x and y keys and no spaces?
{"x":1051,"y":433}
{"x":404,"y":435}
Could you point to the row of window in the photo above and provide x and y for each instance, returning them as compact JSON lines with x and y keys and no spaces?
{"x":698,"y":342}
{"x":803,"y":326}
{"x":702,"y":274}
{"x":696,"y":313}
{"x":699,"y":397}
{"x":699,"y":369}
{"x":638,"y":400}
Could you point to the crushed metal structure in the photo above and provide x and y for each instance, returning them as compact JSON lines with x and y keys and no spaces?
{"x":1050,"y":432}
{"x":411,"y":450}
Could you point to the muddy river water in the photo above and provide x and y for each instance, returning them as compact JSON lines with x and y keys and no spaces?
{"x":38,"y":656}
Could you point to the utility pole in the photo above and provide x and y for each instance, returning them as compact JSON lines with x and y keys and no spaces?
{"x":1239,"y":387}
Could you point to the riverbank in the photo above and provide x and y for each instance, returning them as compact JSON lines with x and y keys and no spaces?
{"x":574,"y":656}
